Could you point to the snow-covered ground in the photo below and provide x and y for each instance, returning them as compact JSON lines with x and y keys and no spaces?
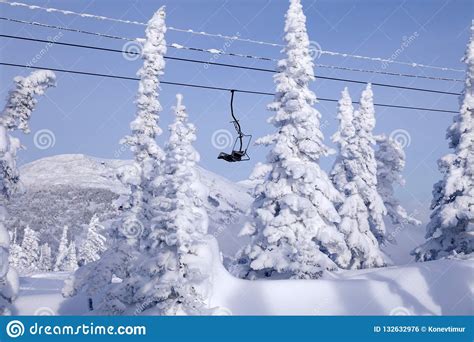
{"x":443,"y":287}
{"x":431,"y":288}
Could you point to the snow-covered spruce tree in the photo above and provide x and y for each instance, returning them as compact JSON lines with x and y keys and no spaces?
{"x":364,"y":247}
{"x":19,"y":106}
{"x":30,"y":249}
{"x":450,"y":231}
{"x":142,"y":180}
{"x":45,"y":258}
{"x":343,"y":138}
{"x":167,"y":280}
{"x":61,"y":255}
{"x":71,"y":258}
{"x":94,"y":244}
{"x":363,"y":166}
{"x":16,"y":254}
{"x":21,"y":100}
{"x":293,"y":224}
{"x":390,"y":164}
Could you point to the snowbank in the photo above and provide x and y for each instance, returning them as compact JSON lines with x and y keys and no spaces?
{"x":442,"y":287}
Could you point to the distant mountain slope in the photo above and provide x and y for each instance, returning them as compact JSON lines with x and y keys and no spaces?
{"x":69,"y":189}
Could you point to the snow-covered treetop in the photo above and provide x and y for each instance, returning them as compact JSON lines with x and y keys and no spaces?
{"x":465,"y":121}
{"x":145,"y":126}
{"x":21,"y":101}
{"x":345,"y":114}
{"x":297,"y":40}
{"x":180,"y":109}
{"x":19,"y":106}
{"x":297,"y":122}
{"x":366,"y":112}
{"x":182,"y":135}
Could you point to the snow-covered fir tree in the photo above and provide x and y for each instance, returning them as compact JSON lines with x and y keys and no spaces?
{"x":343,"y":138}
{"x":21,"y":100}
{"x":143,"y":178}
{"x":140,"y":207}
{"x":30,"y":250}
{"x":94,"y":244}
{"x":19,"y":106}
{"x":364,"y":247}
{"x":45,"y":259}
{"x":364,"y":166}
{"x":293,"y":216}
{"x":167,"y":280}
{"x":16,"y":253}
{"x":170,"y":283}
{"x":390,"y":164}
{"x":61,"y":255}
{"x":71,"y":258}
{"x":450,"y":231}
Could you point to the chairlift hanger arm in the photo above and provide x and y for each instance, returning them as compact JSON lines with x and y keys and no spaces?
{"x":239,"y":154}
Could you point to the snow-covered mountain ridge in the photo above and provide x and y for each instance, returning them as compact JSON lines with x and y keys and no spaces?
{"x":69,"y":189}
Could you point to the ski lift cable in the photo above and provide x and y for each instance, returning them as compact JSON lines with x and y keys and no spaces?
{"x":234,"y":38}
{"x":214,"y":51}
{"x":191,"y":85}
{"x":435,"y":91}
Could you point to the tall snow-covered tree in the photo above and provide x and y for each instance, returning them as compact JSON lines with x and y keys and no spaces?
{"x":71,"y":257}
{"x":168,"y":280}
{"x":390,"y":164}
{"x":364,"y":166}
{"x":130,"y":233}
{"x":61,"y":255}
{"x":364,"y":247}
{"x":94,"y":244}
{"x":293,"y":216}
{"x":45,"y":258}
{"x":343,"y":138}
{"x":144,"y":177}
{"x":450,"y":231}
{"x":31,"y":250}
{"x":19,"y":106}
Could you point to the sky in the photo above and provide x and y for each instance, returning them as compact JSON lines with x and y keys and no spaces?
{"x":90,"y":115}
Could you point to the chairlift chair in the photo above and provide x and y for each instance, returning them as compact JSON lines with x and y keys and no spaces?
{"x":242,"y":140}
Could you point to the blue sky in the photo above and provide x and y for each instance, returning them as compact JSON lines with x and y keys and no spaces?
{"x":89,"y":115}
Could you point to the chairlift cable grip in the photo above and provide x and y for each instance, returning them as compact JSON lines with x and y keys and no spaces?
{"x":236,"y":122}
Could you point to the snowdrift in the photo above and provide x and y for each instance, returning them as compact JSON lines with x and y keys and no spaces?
{"x":431,"y":288}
